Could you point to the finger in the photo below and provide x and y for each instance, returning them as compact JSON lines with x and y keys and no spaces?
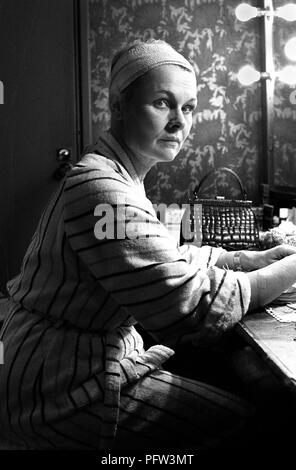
{"x":285,"y":250}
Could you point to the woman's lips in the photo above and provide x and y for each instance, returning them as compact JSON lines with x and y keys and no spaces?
{"x":171,"y":141}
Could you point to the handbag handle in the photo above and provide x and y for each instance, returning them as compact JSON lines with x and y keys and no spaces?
{"x":222,"y":168}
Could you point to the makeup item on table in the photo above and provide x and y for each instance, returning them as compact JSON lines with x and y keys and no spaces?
{"x":283,"y":308}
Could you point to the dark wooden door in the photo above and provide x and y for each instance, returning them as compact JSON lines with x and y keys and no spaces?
{"x":38,"y":68}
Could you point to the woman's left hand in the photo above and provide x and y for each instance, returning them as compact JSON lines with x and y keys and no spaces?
{"x":252,"y":260}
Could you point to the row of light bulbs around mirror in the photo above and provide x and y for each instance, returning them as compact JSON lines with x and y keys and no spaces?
{"x":248,"y":74}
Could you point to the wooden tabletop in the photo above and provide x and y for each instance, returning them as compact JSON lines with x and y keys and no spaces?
{"x":275,"y":341}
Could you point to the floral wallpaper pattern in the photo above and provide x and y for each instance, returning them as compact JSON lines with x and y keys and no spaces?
{"x":284,"y":142}
{"x":226,"y":129}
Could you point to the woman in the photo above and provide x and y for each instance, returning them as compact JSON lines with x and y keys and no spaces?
{"x":76,"y":374}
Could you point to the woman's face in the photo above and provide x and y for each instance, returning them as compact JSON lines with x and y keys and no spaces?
{"x":157,"y":119}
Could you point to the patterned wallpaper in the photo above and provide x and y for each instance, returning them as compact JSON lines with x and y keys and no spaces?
{"x":284,"y":111}
{"x":226,"y":128}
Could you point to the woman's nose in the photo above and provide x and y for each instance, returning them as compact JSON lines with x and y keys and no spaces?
{"x":176,"y":118}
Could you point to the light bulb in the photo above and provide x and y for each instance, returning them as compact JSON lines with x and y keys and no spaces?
{"x":244,"y":12}
{"x":248,"y":75}
{"x":283,"y":213}
{"x":290,"y":49}
{"x":287,"y":12}
{"x":288,"y":74}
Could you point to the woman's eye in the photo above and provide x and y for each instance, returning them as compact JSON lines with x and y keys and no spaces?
{"x":189,"y":108}
{"x":161,"y":103}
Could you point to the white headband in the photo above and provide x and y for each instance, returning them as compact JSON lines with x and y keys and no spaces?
{"x":141,"y":58}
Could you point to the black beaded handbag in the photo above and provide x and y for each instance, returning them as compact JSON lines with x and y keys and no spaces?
{"x":227,"y":223}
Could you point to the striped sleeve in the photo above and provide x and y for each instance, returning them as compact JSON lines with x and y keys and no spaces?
{"x":169,"y":291}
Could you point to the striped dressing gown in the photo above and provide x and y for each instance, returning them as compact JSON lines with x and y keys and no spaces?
{"x":73,"y":356}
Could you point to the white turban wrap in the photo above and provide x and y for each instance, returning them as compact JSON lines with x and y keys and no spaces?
{"x":139,"y":59}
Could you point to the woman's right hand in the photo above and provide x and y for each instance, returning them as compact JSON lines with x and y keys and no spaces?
{"x":270,"y":282}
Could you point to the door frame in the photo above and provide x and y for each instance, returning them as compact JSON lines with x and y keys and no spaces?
{"x":84,"y":72}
